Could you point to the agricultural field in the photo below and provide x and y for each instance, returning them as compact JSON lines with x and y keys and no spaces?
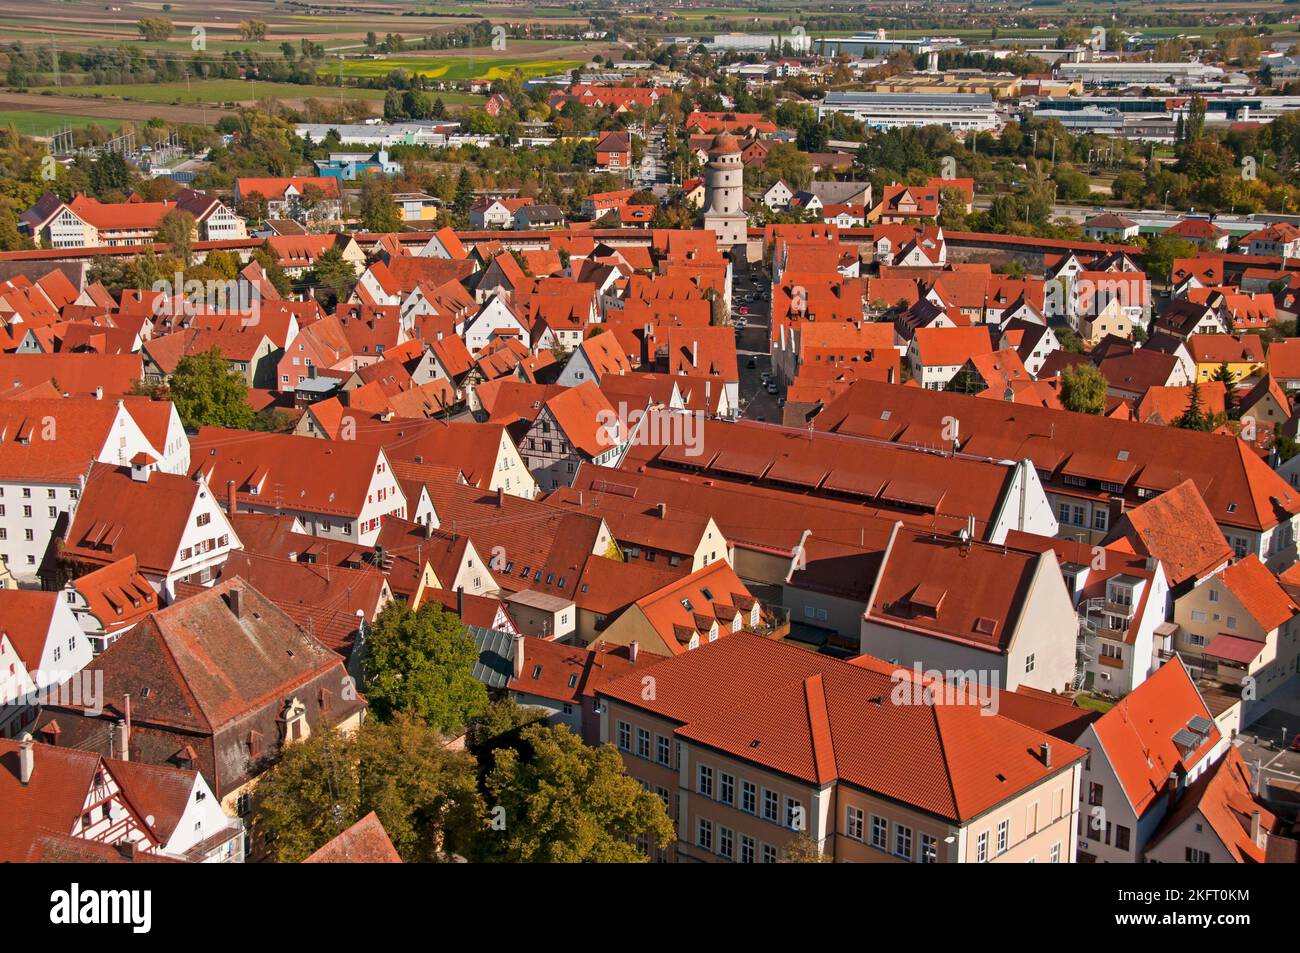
{"x":459,"y":68}
{"x":107,"y":112}
{"x":33,"y":123}
{"x":73,"y":24}
{"x":212,"y":91}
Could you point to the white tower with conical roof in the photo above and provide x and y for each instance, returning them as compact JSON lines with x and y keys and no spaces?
{"x":724,"y":187}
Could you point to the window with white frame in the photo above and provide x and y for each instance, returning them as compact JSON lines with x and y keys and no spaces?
{"x":704,"y":833}
{"x":903,"y":841}
{"x":929,"y":849}
{"x":854,"y":822}
{"x":704,"y":780}
{"x":879,"y":833}
{"x":726,"y":842}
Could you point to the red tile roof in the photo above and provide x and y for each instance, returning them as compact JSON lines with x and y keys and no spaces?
{"x":107,"y":526}
{"x":1137,"y":735}
{"x":1259,"y":592}
{"x":117,"y":594}
{"x":25,"y":618}
{"x":52,"y":802}
{"x":687,"y":607}
{"x":819,"y":719}
{"x":1238,"y":487}
{"x":1176,"y":528}
{"x":317,"y":476}
{"x":273,"y":188}
{"x":941,"y":347}
{"x":587,"y":418}
{"x":1224,"y":797}
{"x":365,"y":842}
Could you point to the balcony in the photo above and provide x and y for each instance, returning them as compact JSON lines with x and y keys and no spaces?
{"x":1106,"y":632}
{"x":774,"y":622}
{"x":1124,"y":611}
{"x":1110,"y":661}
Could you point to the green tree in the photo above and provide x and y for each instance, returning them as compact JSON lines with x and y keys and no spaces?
{"x":1223,"y":374}
{"x":422,"y":661}
{"x":1083,"y":389}
{"x":177,"y":230}
{"x":269,"y":259}
{"x":562,"y":801}
{"x":1194,"y":417}
{"x":109,"y":174}
{"x":1161,"y":250}
{"x":208,"y":391}
{"x":155,"y":29}
{"x":967,"y":381}
{"x":424,"y":794}
{"x":334,"y":272}
{"x":803,"y":850}
{"x":252,"y":29}
{"x":464,"y":192}
{"x":952,"y":209}
{"x":379,"y":213}
{"x":784,"y":161}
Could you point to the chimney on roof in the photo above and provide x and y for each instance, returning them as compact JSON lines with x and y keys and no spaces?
{"x":99,"y":392}
{"x":633,"y":649}
{"x":1257,"y":833}
{"x":501,"y":497}
{"x":695,"y":353}
{"x":26,"y":758}
{"x":460,"y":601}
{"x":129,"y":849}
{"x":230,"y":497}
{"x":235,"y":599}
{"x":519,"y":655}
{"x":662,"y":510}
{"x":121,"y":740}
{"x":1045,"y":752}
{"x":1116,"y":507}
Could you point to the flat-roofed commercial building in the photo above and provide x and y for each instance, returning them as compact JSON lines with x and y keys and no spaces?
{"x":959,"y":112}
{"x":1181,"y":75}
